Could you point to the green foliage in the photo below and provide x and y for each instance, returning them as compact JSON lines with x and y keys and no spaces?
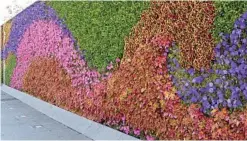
{"x":100,"y":27}
{"x":10,"y":65}
{"x":226,"y":13}
{"x":1,"y":73}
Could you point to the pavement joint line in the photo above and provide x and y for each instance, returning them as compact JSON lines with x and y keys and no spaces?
{"x":69,"y":119}
{"x":8,"y":99}
{"x":73,"y":130}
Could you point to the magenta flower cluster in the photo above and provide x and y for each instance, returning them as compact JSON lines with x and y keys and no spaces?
{"x":46,"y":39}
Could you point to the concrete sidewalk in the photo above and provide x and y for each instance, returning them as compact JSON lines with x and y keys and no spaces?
{"x":21,"y":122}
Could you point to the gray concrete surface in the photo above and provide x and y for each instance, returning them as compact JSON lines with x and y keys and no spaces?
{"x":21,"y":122}
{"x":89,"y":128}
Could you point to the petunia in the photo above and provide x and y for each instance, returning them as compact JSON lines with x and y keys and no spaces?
{"x":229,"y":103}
{"x":245,"y":94}
{"x":211,"y":84}
{"x":244,"y":41}
{"x":220,"y":94}
{"x":211,"y":90}
{"x":226,"y":52}
{"x":194,"y":99}
{"x":237,"y":103}
{"x":217,"y":81}
{"x":204,"y":98}
{"x":236,"y":23}
{"x":225,"y":72}
{"x":198,"y":79}
{"x":186,"y":84}
{"x":218,"y":46}
{"x":210,"y":71}
{"x":224,"y":43}
{"x":244,"y":15}
{"x":206,"y":105}
{"x":227,"y":61}
{"x":191,"y":71}
{"x":242,"y":25}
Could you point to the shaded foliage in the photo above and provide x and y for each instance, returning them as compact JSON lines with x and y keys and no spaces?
{"x":10,"y":64}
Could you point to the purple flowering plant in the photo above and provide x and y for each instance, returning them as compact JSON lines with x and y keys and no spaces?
{"x":37,"y":11}
{"x":225,"y":84}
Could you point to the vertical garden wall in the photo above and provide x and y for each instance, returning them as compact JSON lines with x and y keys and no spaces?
{"x":154,"y":70}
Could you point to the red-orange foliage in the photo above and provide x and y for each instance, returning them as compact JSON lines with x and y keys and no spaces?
{"x":188,"y":23}
{"x":146,"y":97}
{"x":140,"y":90}
{"x":47,"y":80}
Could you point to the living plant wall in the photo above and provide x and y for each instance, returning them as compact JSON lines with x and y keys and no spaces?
{"x":153,"y":70}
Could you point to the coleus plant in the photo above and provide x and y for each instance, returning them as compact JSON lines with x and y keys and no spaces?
{"x":146,"y":105}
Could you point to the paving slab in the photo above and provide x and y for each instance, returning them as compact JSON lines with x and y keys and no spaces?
{"x":21,"y":122}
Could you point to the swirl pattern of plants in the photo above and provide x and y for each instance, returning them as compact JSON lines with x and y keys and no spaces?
{"x":154,"y":70}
